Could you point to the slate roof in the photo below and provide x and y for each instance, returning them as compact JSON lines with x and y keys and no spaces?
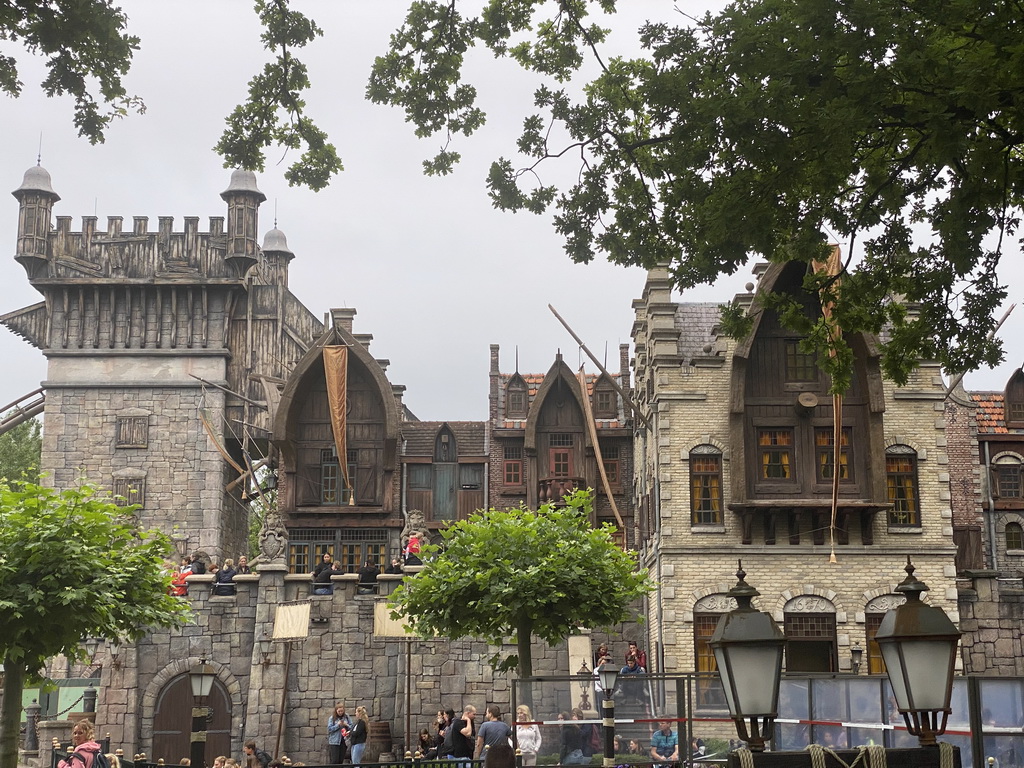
{"x":696,"y":322}
{"x":420,"y":435}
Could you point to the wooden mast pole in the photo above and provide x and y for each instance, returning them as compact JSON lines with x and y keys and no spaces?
{"x":625,"y":398}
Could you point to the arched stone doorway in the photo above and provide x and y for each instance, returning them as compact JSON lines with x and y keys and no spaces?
{"x":172,"y":722}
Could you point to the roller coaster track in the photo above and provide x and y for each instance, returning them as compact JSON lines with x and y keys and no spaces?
{"x":21,"y":410}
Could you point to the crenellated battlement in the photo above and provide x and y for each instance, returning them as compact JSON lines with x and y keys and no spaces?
{"x":163,"y":254}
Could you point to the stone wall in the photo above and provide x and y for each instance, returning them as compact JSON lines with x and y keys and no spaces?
{"x":347,"y":656}
{"x":991,"y":616}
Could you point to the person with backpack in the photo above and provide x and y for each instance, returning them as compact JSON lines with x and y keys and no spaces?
{"x":255,"y":757}
{"x":86,"y":752}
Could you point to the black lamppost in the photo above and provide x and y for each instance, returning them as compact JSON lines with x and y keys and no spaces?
{"x":748,"y":647}
{"x":92,"y":646}
{"x":608,"y":675}
{"x":918,"y":643}
{"x":584,"y":672}
{"x":202,"y":683}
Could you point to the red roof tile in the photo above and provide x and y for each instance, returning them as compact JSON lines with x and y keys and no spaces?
{"x":990,"y":414}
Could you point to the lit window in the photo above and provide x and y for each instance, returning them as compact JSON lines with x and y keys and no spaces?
{"x":705,"y":486}
{"x":824,"y":444}
{"x":776,"y":449}
{"x":901,"y":483}
{"x":709,"y":689}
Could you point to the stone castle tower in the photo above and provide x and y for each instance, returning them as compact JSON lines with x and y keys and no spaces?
{"x":164,"y":349}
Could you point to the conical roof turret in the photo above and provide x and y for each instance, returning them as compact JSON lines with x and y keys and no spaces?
{"x":37,"y":179}
{"x":242,"y":182}
{"x":275,"y":242}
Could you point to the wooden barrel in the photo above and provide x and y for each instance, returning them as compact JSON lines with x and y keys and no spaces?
{"x":378,"y":741}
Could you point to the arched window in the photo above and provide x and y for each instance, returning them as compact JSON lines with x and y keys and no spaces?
{"x":1014,"y":536}
{"x":902,"y":486}
{"x":1006,"y":477}
{"x":810,"y":635}
{"x":706,"y":613}
{"x":516,"y":398}
{"x":706,"y":485}
{"x":874,"y":612}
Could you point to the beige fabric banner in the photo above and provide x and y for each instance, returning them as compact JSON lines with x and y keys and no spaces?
{"x":336,"y":370}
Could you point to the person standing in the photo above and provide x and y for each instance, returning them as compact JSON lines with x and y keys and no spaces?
{"x":322,"y":576}
{"x":338,"y":726}
{"x":223,"y":579}
{"x":360,"y":730}
{"x":492,"y":731}
{"x":368,"y":577}
{"x":464,"y":734}
{"x":243,"y":566}
{"x":528,"y":737}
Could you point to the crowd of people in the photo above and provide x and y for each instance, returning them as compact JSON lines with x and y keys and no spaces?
{"x":198,"y":563}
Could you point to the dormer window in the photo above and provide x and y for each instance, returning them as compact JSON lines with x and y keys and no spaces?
{"x":1013,"y":400}
{"x":605,"y":405}
{"x":516,"y":398}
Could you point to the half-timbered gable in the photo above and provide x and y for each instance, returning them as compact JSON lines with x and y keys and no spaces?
{"x":444,"y":465}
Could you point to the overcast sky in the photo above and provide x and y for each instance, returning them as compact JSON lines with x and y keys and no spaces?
{"x":435,"y":273}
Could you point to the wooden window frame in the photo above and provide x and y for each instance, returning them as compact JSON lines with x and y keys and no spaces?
{"x":1013,"y":536}
{"x":825,"y":452}
{"x":518,"y":407}
{"x":709,"y":692}
{"x":908,"y":516}
{"x":605,"y":406}
{"x":557,"y":457}
{"x":611,"y":458}
{"x":330,"y":475}
{"x":705,"y":508}
{"x":794,"y":639}
{"x":873,"y":653}
{"x":129,"y":491}
{"x":788,"y":450}
{"x":800,"y":367}
{"x":132,"y":432}
{"x":513,"y":467}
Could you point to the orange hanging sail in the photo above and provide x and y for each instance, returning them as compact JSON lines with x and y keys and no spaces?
{"x":832,"y":266}
{"x":336,"y":370}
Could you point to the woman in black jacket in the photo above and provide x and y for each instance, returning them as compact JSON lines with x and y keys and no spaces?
{"x":358,"y":735}
{"x":223,"y":579}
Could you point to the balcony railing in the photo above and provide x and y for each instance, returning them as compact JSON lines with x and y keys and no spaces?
{"x":550,"y":490}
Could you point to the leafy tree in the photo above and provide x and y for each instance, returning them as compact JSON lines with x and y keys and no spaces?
{"x":768,"y":129}
{"x":72,"y":565}
{"x":20,"y":450}
{"x":88,"y":51}
{"x":521,"y":573}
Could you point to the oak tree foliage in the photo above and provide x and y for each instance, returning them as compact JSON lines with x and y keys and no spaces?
{"x":72,"y":565}
{"x":521,"y":574}
{"x":766,"y":130}
{"x":20,"y":452}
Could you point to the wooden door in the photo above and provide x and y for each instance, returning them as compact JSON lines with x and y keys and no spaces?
{"x":444,"y":491}
{"x":172,"y":722}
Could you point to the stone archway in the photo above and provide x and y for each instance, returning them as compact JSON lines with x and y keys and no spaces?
{"x":172,"y":722}
{"x":165,"y":688}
